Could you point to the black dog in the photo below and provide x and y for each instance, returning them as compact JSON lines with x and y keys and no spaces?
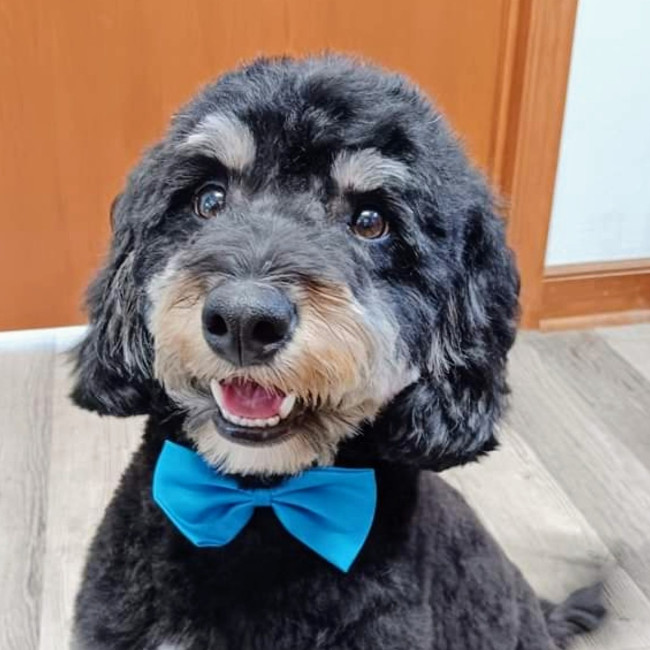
{"x":306,"y":272}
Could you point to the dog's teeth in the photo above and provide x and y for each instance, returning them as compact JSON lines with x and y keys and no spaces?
{"x":217,"y":393}
{"x":286,"y":406}
{"x":285,"y":409}
{"x":258,"y":423}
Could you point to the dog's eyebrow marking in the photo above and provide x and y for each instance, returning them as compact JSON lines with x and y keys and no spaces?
{"x":224,"y":137}
{"x":367,"y":169}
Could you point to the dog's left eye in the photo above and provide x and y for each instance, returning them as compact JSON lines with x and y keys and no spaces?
{"x":368,"y":223}
{"x":209,"y":200}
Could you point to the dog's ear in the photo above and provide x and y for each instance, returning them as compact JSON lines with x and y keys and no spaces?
{"x":448,"y":416}
{"x":112,"y":368}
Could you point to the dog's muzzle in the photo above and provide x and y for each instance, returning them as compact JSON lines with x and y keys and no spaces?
{"x":247,"y":323}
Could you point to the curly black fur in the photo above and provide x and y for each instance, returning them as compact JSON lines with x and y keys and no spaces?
{"x":429,"y":575}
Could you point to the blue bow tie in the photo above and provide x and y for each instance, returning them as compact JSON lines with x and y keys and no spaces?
{"x":328,"y":509}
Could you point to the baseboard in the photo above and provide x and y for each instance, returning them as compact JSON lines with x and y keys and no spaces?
{"x":591,"y":295}
{"x":62,"y":338}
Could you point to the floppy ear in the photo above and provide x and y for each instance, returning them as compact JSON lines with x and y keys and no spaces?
{"x":112,"y":367}
{"x":448,"y":417}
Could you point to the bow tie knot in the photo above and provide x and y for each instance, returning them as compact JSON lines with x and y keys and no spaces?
{"x":261,"y":497}
{"x":329,"y":509}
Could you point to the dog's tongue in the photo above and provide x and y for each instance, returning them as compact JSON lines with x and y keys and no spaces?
{"x":248,"y":399}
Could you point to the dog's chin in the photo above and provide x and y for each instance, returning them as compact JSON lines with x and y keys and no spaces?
{"x":287,"y":450}
{"x":252,"y":436}
{"x":283,"y":436}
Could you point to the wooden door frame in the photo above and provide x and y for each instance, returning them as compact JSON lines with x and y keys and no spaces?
{"x":536,"y":61}
{"x":536,"y":58}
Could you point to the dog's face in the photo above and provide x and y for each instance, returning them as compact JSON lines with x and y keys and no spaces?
{"x":306,"y":256}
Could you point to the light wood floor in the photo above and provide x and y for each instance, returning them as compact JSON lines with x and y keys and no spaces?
{"x":568,"y":494}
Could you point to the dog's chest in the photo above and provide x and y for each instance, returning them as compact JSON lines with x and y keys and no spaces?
{"x":338,"y":627}
{"x":266,"y":591}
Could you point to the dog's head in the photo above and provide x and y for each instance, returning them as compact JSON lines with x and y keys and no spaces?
{"x":306,"y":256}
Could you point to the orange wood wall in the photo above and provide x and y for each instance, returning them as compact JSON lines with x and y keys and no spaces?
{"x":85,"y":86}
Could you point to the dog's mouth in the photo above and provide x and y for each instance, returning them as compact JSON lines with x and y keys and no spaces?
{"x":252,"y":414}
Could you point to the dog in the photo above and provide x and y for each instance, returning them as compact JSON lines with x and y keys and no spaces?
{"x":308,"y":283}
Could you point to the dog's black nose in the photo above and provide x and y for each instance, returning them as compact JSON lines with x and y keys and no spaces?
{"x":246,"y":322}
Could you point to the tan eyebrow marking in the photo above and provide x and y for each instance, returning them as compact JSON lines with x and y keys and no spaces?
{"x":367,"y":169}
{"x":223,"y":137}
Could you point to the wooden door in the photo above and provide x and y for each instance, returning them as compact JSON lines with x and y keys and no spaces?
{"x":87,"y":85}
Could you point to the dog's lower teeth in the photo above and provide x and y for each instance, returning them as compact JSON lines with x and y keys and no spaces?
{"x":245,"y":422}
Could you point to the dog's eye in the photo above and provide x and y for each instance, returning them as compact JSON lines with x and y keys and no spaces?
{"x":209,"y":200}
{"x":367,"y":223}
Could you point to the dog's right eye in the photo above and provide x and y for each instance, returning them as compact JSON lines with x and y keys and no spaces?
{"x":209,"y":200}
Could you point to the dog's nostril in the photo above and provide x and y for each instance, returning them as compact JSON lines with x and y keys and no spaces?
{"x":217,"y":325}
{"x":267,"y":332}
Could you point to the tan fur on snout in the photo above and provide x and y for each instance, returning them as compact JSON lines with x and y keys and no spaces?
{"x":342,"y":370}
{"x":332,"y":352}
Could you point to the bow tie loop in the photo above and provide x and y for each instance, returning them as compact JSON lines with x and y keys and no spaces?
{"x":329,"y":509}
